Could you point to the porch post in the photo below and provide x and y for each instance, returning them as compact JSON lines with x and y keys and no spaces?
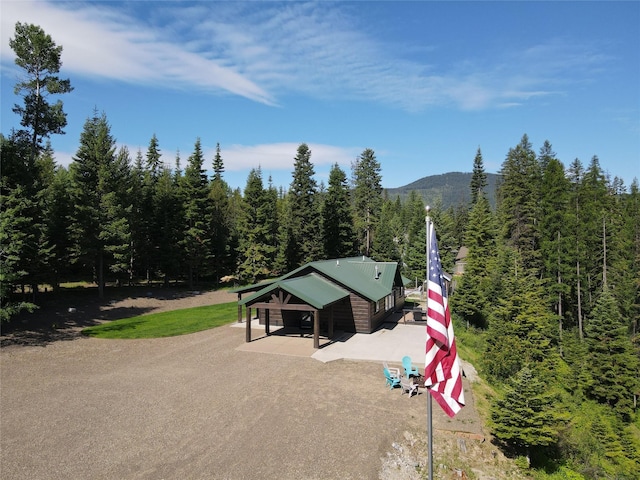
{"x":316,"y":329}
{"x":247,"y":338}
{"x":266,"y":321}
{"x":239,"y":308}
{"x":331,"y":322}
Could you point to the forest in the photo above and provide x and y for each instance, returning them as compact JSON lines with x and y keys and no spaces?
{"x":549,"y":300}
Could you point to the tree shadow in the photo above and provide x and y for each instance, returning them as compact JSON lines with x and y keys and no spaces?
{"x":63,"y":314}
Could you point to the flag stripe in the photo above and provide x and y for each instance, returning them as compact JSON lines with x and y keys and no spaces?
{"x":442,"y":365}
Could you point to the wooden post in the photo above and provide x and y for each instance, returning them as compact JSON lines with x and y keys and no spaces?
{"x":239,"y":308}
{"x":331,"y":322}
{"x":266,"y":321}
{"x":248,"y":326}
{"x":316,"y":329}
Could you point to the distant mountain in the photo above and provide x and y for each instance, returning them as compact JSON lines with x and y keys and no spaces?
{"x":450,"y":189}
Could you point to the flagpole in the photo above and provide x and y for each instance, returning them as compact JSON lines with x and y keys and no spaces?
{"x":429,"y":403}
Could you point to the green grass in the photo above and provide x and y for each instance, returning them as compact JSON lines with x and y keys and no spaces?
{"x":167,"y":324}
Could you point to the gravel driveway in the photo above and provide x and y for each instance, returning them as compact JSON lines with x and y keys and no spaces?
{"x":194,"y":407}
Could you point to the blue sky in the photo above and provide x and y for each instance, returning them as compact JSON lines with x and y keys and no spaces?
{"x":423,"y":84}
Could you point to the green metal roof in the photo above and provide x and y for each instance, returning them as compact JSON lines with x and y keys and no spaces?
{"x":370,"y":279}
{"x":312,"y":289}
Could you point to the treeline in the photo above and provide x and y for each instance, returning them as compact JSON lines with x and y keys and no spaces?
{"x":551,"y":286}
{"x":113,"y":218}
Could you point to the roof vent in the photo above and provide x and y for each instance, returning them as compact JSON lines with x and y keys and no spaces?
{"x":337,"y":263}
{"x":377,"y":276}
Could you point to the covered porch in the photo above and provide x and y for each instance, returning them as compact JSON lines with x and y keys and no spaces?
{"x":304,"y":302}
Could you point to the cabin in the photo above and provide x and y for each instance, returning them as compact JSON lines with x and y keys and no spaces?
{"x":354,"y":294}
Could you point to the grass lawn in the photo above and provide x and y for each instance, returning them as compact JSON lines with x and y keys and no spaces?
{"x":167,"y":324}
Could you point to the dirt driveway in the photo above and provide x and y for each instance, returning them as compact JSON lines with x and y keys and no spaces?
{"x":194,"y":407}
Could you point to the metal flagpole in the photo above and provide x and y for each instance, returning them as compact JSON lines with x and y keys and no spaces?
{"x":429,"y":403}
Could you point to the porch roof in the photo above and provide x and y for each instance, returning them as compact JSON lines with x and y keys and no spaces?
{"x":312,"y":289}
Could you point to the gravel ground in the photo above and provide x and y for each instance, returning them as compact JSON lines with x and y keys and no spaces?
{"x":195,"y":407}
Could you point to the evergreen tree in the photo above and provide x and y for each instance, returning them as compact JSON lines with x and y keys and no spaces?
{"x":595,"y":207}
{"x":546,"y":155}
{"x":367,"y":197}
{"x":385,"y":241}
{"x":39,"y":56}
{"x":57,"y":219}
{"x":523,"y":418}
{"x":256,"y":248}
{"x":520,"y":321}
{"x":479,"y":177}
{"x":555,"y":237}
{"x":90,"y":169}
{"x":116,"y":208}
{"x":154,"y":155}
{"x":14,"y":235}
{"x":168,"y":205}
{"x":18,"y":236}
{"x":577,"y":209}
{"x":337,"y":220}
{"x":218,"y":164}
{"x":415,"y":254}
{"x":304,"y":243}
{"x":220,"y":221}
{"x":614,"y":368}
{"x":195,"y":191}
{"x":518,"y":202}
{"x":139,"y":263}
{"x":22,"y":181}
{"x":472,"y":297}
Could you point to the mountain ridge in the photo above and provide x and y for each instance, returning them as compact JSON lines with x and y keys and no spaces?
{"x":448,"y":189}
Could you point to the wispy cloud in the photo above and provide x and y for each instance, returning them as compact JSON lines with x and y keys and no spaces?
{"x":267,"y":51}
{"x":280,"y":156}
{"x":102,"y":42}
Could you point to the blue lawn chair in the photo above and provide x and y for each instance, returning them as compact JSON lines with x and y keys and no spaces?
{"x":409,"y":369}
{"x":392,"y":381}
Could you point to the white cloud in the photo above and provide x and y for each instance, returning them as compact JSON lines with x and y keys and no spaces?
{"x":280,"y":156}
{"x":102,"y":42}
{"x":269,"y":50}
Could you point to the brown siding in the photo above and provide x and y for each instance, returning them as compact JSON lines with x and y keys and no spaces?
{"x":353,"y":314}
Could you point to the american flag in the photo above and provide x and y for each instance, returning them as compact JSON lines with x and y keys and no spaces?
{"x":442,"y":366}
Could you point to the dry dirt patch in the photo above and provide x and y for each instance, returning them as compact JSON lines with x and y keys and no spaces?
{"x":197,"y":407}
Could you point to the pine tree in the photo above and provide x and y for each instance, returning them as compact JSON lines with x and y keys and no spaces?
{"x":415,"y":253}
{"x":90,"y":171}
{"x":221,"y":254}
{"x":614,"y":369}
{"x":479,"y":177}
{"x":195,"y":191}
{"x":304,"y":242}
{"x":523,"y":418}
{"x":168,"y":205}
{"x":116,"y":208}
{"x":256,"y":247}
{"x":218,"y":164}
{"x":39,"y":56}
{"x":14,"y":236}
{"x":576,"y":202}
{"x":519,"y":321}
{"x":595,"y":207}
{"x":518,"y":202}
{"x":385,"y":240}
{"x":154,"y":155}
{"x":555,"y":236}
{"x":367,"y":197}
{"x":473,"y":296}
{"x":337,"y":219}
{"x":58,"y":224}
